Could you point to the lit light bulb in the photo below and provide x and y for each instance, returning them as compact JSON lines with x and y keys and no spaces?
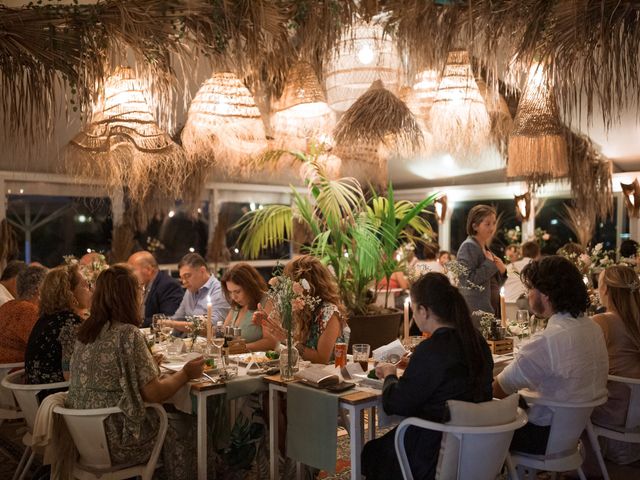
{"x":366,"y":54}
{"x":171,"y":214}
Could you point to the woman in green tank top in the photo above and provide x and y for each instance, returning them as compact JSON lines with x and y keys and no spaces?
{"x":244,"y":288}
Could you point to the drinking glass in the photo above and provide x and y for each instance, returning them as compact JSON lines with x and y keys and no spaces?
{"x":361,"y":355}
{"x":156,"y":322}
{"x":522,"y":319}
{"x":218,"y":342}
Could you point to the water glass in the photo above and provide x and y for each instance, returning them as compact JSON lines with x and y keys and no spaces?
{"x":361,"y":355}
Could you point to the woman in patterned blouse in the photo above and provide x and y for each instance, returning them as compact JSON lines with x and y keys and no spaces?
{"x":112,"y":366}
{"x":64,"y":292}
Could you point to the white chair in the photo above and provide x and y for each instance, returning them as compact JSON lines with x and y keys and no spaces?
{"x":630,"y":432}
{"x":563,"y":451}
{"x":475,"y":451}
{"x":9,"y":409}
{"x":27,"y":398}
{"x":87,"y":430}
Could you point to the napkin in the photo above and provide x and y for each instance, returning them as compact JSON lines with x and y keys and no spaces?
{"x":382,"y":352}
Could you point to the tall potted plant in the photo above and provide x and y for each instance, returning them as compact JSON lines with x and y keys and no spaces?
{"x":355,"y":235}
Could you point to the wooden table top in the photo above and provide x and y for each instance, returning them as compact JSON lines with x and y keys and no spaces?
{"x":351,"y":397}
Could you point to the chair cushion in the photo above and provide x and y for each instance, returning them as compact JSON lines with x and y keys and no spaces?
{"x":494,"y":412}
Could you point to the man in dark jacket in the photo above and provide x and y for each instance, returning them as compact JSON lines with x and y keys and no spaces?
{"x":162,"y":293}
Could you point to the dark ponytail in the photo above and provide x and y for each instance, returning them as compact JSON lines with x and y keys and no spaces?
{"x":434,"y":291}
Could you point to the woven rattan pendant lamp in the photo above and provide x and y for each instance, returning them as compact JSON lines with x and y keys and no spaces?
{"x":224,"y":124}
{"x":537,"y":145}
{"x":124,"y":147}
{"x":302,"y":113}
{"x":363,"y":55}
{"x":459,"y":119}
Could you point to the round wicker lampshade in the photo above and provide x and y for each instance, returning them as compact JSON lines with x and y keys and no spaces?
{"x":537,"y":145}
{"x":363,"y":55}
{"x":458,"y":118}
{"x":124,"y":146}
{"x":302,"y":114}
{"x":224,"y":124}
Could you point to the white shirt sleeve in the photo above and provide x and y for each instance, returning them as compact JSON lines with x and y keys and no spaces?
{"x":529,"y":368}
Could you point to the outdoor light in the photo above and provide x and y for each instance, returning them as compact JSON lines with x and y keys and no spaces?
{"x":631,"y":197}
{"x":440,"y":205}
{"x":523,"y":206}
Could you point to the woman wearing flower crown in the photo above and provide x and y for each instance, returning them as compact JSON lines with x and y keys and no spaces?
{"x":317,"y":325}
{"x":619,"y":287}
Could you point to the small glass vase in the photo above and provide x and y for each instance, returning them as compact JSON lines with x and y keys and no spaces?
{"x":288,"y":362}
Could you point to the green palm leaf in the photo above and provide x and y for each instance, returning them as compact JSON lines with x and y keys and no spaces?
{"x":264,"y":228}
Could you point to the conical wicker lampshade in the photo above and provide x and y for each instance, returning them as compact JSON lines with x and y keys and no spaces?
{"x":224,"y":124}
{"x":378,"y":116}
{"x":537,"y":145}
{"x":363,"y":161}
{"x":124,"y":146}
{"x":302,"y":114}
{"x":459,"y":119}
{"x":363,"y":55}
{"x":423,"y":94}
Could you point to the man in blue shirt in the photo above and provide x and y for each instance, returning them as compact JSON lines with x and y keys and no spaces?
{"x":202,"y":288}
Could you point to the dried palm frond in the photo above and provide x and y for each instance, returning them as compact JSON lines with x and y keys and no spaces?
{"x":590,"y":176}
{"x":582,"y":223}
{"x":363,"y":161}
{"x":501,"y":120}
{"x":122,"y":243}
{"x":459,"y":119}
{"x":378,"y":116}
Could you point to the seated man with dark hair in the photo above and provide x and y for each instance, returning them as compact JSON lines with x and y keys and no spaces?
{"x":567,"y":362}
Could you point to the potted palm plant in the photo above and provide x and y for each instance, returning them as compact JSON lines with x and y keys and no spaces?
{"x":356,"y":235}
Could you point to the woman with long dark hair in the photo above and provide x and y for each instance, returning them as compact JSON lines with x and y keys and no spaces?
{"x":453,"y":364}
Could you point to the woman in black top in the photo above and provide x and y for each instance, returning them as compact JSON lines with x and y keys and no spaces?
{"x":454,"y":364}
{"x":64,"y":293}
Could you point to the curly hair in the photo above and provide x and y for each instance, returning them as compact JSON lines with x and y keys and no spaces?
{"x":624,"y":298}
{"x":561,"y":281}
{"x":116,"y":298}
{"x":249,"y":279}
{"x":56,"y":293}
{"x":322,"y":284}
{"x":435,"y":292}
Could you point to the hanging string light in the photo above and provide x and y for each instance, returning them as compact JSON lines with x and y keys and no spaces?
{"x":537,"y":144}
{"x":224,"y":124}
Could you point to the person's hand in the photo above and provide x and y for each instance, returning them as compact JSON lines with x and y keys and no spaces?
{"x":274,"y":332}
{"x":500,"y":264}
{"x":259,"y":316}
{"x":383,"y":370}
{"x":488,"y":255}
{"x":194,"y":368}
{"x":158,"y":357}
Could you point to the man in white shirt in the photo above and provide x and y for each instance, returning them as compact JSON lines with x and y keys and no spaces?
{"x":513,"y":286}
{"x":8,"y":280}
{"x":566,"y":362}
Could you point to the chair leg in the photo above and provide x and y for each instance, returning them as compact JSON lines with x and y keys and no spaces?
{"x":513,"y":474}
{"x":27,"y":466}
{"x":581,"y":474}
{"x":595,"y":446}
{"x":23,"y":459}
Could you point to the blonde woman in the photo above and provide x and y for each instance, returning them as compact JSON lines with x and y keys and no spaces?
{"x":619,"y":290}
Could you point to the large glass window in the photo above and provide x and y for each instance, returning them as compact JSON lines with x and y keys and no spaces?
{"x":48,"y":228}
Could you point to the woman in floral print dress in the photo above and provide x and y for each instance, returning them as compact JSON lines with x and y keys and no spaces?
{"x":112,"y":366}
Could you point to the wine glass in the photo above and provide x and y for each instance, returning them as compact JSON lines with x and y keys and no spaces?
{"x":522,"y":319}
{"x":218,"y":342}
